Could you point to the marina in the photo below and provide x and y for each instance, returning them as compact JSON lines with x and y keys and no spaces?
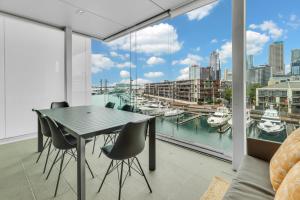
{"x":191,"y":125}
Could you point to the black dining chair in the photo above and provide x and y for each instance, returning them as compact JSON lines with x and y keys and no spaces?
{"x":130,"y":143}
{"x":61,"y":104}
{"x":111,"y":137}
{"x":65,"y":145}
{"x":108,"y":105}
{"x":45,"y":130}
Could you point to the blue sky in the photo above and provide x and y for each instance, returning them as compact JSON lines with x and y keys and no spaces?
{"x":165,"y":50}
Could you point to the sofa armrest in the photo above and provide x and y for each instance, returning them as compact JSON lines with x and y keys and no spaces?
{"x":262,"y":149}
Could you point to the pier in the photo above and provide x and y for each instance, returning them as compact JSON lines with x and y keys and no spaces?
{"x":189,"y":119}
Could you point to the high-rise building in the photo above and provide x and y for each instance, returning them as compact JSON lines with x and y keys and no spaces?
{"x":260,"y":75}
{"x":215,"y":65}
{"x":276,"y":58}
{"x":249,"y":61}
{"x":205,"y":73}
{"x":295,"y":62}
{"x":194,"y":72}
{"x":227,"y":75}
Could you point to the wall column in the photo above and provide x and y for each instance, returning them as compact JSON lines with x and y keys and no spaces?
{"x":238,"y":81}
{"x":68,"y":65}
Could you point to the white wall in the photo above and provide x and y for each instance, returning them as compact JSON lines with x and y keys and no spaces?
{"x":34,"y":63}
{"x":81,"y":70}
{"x":2,"y":111}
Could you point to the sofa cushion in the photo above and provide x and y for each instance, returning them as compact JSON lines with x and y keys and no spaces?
{"x":252,"y":181}
{"x":289,"y":189}
{"x":285,"y":158}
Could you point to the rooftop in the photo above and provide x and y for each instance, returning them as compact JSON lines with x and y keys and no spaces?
{"x":284,"y":85}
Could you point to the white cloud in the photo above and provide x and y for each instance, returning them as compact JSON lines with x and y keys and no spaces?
{"x":294,"y":21}
{"x":198,"y":49}
{"x":155,"y":60}
{"x":139,"y":81}
{"x":201,"y":12}
{"x":255,"y":44}
{"x":100,"y":62}
{"x":214,"y":41}
{"x":287,"y":68}
{"x":125,"y":64}
{"x":157,"y":39}
{"x":124,"y":74}
{"x":191,"y":59}
{"x":114,"y":54}
{"x":153,"y":74}
{"x":184,"y":74}
{"x":270,"y":27}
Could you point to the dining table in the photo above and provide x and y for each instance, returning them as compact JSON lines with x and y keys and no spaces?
{"x":85,"y":122}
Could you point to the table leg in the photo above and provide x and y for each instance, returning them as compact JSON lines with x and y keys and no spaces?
{"x":152,"y":148}
{"x":81,"y":169}
{"x":40,"y":137}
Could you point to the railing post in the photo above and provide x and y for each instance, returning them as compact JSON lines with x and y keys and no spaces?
{"x":238,"y":81}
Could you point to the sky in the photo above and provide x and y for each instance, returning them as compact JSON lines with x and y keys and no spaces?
{"x":164,"y":51}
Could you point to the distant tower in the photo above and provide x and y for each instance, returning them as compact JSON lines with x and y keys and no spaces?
{"x":194,"y":72}
{"x":215,"y":65}
{"x":249,"y":61}
{"x":276,"y":58}
{"x":295,"y":62}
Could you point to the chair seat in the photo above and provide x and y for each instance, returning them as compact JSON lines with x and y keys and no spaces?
{"x":73,"y":141}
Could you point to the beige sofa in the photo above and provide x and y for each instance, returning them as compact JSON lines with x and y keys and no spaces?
{"x":252,"y":181}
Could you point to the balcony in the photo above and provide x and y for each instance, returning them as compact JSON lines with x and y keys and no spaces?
{"x":182,"y":174}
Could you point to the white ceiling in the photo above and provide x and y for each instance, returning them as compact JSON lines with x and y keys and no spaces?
{"x":100,"y":19}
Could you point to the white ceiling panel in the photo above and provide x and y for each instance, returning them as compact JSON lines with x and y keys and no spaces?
{"x":95,"y":18}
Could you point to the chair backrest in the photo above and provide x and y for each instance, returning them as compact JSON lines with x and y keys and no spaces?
{"x":58,"y":139}
{"x":110,"y":105}
{"x":62,"y":104}
{"x":43,"y":123}
{"x":131,"y":141}
{"x":127,"y":107}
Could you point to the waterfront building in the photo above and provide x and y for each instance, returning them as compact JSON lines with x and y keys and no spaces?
{"x":276,"y":58}
{"x":194,"y":72}
{"x":186,"y":90}
{"x":260,"y":75}
{"x":249,"y":61}
{"x":215,"y":65}
{"x":295,"y":62}
{"x":284,"y":96}
{"x":205,"y":73}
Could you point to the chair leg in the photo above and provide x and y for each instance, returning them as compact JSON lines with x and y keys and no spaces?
{"x":86,"y":162}
{"x":105,"y":142}
{"x":107,"y":172}
{"x":49,"y":148}
{"x":121,"y":180}
{"x":54,"y":161}
{"x":129,"y":170}
{"x":60,"y":169}
{"x":42,"y":150}
{"x":143,"y":174}
{"x":94,"y":145}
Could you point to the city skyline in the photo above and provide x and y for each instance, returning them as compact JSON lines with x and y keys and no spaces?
{"x":189,"y":39}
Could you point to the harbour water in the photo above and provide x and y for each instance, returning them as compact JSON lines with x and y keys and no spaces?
{"x":196,"y":131}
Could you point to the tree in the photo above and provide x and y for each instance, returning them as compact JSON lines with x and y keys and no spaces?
{"x":228,"y":94}
{"x":251,"y":92}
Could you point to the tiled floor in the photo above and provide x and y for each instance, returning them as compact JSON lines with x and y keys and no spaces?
{"x":181,"y":174}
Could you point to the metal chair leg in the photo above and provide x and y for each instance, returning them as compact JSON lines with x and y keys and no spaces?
{"x":42,"y":150}
{"x":60,"y":169}
{"x":143,"y":174}
{"x":121,"y":180}
{"x":107,"y":172}
{"x":94,"y":145}
{"x":49,"y":148}
{"x":54,"y":161}
{"x":86,"y":162}
{"x":129,"y":170}
{"x":105,"y":142}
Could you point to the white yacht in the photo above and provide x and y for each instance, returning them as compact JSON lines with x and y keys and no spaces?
{"x":220,"y":117}
{"x":173,"y":112}
{"x":270,"y":122}
{"x":249,"y":121}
